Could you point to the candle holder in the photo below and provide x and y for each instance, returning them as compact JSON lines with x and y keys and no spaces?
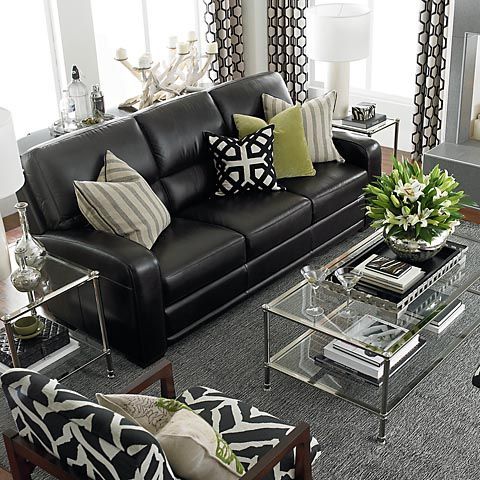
{"x":179,"y":75}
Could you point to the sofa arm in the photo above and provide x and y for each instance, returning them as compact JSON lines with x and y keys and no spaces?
{"x":131,"y":291}
{"x":359,"y":150}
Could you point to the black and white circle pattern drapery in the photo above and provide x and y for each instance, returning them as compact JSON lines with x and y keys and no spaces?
{"x":224,"y":26}
{"x":286,"y":44}
{"x":430,"y":76}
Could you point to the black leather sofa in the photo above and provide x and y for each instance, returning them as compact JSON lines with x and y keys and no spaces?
{"x":216,"y":250}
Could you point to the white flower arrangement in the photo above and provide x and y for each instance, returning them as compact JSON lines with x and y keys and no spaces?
{"x":414,"y":206}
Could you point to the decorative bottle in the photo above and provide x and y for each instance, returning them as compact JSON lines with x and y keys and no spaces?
{"x":78,"y":91}
{"x":28,"y":247}
{"x":98,"y":102}
{"x":67,"y":112}
{"x":25,"y":278}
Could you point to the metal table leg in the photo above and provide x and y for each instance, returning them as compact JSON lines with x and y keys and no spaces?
{"x":395,"y":140}
{"x":11,"y":345}
{"x":381,"y":437}
{"x":103,"y":328}
{"x":266,"y":339}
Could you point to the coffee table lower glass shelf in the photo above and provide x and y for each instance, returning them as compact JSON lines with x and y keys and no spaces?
{"x":293,"y":339}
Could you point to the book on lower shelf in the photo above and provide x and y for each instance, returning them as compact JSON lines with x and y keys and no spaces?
{"x":431,"y":300}
{"x":53,"y":344}
{"x":377,"y":333}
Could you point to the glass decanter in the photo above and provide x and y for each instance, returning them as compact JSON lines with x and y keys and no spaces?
{"x":34,"y":252}
{"x":25,"y":278}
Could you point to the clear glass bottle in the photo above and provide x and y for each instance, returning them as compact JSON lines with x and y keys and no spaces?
{"x":78,"y":91}
{"x":67,"y":112}
{"x":27,"y":247}
{"x":25,"y":278}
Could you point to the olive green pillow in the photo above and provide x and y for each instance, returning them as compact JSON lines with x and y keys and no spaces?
{"x":291,"y":157}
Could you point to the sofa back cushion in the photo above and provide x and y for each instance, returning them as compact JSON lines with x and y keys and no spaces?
{"x":95,"y":441}
{"x":175,"y":131}
{"x":51,"y":168}
{"x":245,"y":96}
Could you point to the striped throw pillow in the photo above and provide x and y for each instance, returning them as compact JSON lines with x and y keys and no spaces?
{"x":122,"y":202}
{"x":317,"y":122}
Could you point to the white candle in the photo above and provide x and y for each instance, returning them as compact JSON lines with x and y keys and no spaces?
{"x":121,"y":54}
{"x":192,"y":36}
{"x":172,"y":42}
{"x":183,"y":48}
{"x":211,"y":48}
{"x":145,"y":60}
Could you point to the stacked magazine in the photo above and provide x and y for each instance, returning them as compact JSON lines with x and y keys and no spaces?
{"x":428,"y":302}
{"x":375,"y":332}
{"x":389,"y":273}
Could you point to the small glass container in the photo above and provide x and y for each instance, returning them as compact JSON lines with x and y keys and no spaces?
{"x":25,"y":278}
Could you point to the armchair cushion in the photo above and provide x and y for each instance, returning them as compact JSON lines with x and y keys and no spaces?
{"x":95,"y":441}
{"x":249,"y":432}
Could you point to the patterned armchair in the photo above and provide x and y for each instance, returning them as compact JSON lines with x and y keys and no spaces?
{"x":66,"y":435}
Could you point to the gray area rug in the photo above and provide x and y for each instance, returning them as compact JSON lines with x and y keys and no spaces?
{"x":433,"y":434}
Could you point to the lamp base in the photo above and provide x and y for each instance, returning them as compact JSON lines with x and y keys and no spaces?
{"x":5,"y":267}
{"x":338,"y":79}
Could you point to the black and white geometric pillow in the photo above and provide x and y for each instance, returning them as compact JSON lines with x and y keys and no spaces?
{"x":245,"y":164}
{"x":250,"y":432}
{"x":96,"y":442}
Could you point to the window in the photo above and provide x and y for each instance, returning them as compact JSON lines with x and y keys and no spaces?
{"x":28,"y":83}
{"x":390,"y":68}
{"x":138,"y":26}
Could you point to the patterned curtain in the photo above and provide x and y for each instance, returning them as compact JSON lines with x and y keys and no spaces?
{"x":224,"y":26}
{"x":430,"y":77}
{"x":286,"y":44}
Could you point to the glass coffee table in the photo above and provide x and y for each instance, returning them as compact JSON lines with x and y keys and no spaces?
{"x":57,"y":350}
{"x":297,"y":349}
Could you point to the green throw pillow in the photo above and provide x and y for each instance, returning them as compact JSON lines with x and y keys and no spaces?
{"x":291,"y":157}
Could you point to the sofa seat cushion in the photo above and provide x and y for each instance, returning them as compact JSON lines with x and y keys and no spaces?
{"x":250,"y":432}
{"x":265,"y":219}
{"x":334,"y":186}
{"x":193,"y":254}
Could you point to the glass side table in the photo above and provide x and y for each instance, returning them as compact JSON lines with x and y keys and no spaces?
{"x":57,"y":343}
{"x":389,"y":122}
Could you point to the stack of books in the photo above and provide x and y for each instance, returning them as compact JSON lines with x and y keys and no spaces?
{"x":428,"y":302}
{"x":372,"y":331}
{"x":388,"y":273}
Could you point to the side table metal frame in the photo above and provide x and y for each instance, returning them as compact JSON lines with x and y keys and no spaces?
{"x":93,"y":277}
{"x":369,"y":132}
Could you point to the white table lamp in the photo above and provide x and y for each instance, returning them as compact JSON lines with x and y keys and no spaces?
{"x":338,"y":33}
{"x":11,"y":179}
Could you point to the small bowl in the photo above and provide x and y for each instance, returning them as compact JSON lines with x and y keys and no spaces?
{"x":25,"y":325}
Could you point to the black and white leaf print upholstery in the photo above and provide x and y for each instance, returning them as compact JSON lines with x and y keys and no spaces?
{"x":476,"y":378}
{"x":245,"y":164}
{"x":249,"y":432}
{"x":96,"y":442}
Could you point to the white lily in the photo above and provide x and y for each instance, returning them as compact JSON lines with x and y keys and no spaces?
{"x":439,"y":194}
{"x":423,"y":216}
{"x":411,"y":191}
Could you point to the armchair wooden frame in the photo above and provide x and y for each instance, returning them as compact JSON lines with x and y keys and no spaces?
{"x":25,"y":457}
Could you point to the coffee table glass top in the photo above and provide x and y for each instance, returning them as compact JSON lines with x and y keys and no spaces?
{"x":58,"y":276}
{"x":293,"y":303}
